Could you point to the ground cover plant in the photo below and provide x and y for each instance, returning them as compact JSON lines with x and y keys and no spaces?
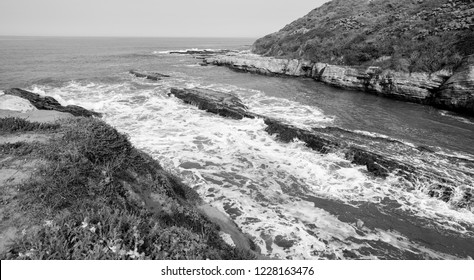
{"x":95,"y":196}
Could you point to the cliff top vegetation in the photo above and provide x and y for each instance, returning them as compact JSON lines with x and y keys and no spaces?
{"x":404,"y":35}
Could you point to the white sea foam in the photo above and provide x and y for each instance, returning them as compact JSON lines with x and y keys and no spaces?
{"x":240,"y":169}
{"x":456,"y":117}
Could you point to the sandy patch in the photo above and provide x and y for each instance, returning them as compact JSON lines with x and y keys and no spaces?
{"x":15,"y":103}
{"x":43,"y":116}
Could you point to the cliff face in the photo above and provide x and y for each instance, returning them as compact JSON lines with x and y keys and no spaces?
{"x":458,"y":92}
{"x":442,"y":88}
{"x":403,"y":35}
{"x":413,"y":50}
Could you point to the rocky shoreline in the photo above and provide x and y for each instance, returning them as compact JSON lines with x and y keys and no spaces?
{"x":375,"y":153}
{"x":443,"y":89}
{"x":78,"y":176}
{"x":414,"y":169}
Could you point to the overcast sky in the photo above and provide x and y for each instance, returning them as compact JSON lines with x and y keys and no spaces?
{"x":173,"y":18}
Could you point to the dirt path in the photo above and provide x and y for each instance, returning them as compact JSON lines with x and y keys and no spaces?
{"x":15,"y":170}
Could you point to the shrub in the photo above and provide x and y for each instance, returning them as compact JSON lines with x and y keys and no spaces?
{"x":361,"y":32}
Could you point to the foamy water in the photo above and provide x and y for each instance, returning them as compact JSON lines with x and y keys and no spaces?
{"x":293,"y":201}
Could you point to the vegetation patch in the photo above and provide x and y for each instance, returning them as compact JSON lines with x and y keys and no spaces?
{"x":403,"y":35}
{"x":97,"y":197}
{"x":13,"y":124}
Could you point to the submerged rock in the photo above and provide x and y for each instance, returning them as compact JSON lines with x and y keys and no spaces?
{"x":149,"y":76}
{"x":49,"y":103}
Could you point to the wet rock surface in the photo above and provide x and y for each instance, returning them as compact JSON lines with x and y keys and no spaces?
{"x":49,"y":103}
{"x":219,"y":103}
{"x":382,"y":157}
{"x":149,"y":76}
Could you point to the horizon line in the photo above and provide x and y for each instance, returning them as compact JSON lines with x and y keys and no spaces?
{"x":129,"y":36}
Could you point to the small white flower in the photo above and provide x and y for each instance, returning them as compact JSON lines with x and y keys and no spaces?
{"x":48,"y":223}
{"x":84,"y":224}
{"x":133,"y":254}
{"x":92,"y":229}
{"x":114,"y":248}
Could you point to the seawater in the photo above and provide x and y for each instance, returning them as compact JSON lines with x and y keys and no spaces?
{"x":294,"y":202}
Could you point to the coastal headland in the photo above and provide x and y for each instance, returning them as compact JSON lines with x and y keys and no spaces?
{"x":73,"y":187}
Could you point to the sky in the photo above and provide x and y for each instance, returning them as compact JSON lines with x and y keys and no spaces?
{"x":150,"y":18}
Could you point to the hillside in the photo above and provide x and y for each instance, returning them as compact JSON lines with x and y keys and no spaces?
{"x":403,"y":35}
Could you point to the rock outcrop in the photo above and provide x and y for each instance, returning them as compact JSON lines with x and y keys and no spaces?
{"x":458,"y":92}
{"x":424,"y":88}
{"x":219,"y":103}
{"x":49,"y":103}
{"x":200,"y":52}
{"x":149,"y":76}
{"x":382,"y":157}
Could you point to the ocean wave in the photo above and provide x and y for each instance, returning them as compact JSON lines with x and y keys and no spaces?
{"x":467,"y":120}
{"x":261,"y":183}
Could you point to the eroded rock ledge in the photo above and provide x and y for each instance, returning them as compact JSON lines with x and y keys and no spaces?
{"x":49,"y":103}
{"x":443,"y":89}
{"x":382,"y":157}
{"x":153,"y":76}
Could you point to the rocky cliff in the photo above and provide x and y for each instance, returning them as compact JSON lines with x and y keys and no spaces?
{"x":444,"y":89}
{"x":458,"y":92}
{"x":414,"y":50}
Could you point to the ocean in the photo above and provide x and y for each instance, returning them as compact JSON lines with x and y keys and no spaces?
{"x":335,"y":209}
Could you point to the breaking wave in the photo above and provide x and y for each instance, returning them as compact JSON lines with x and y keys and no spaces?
{"x":293,"y":201}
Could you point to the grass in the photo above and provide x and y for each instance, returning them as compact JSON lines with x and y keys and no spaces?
{"x":13,"y":124}
{"x":97,"y":197}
